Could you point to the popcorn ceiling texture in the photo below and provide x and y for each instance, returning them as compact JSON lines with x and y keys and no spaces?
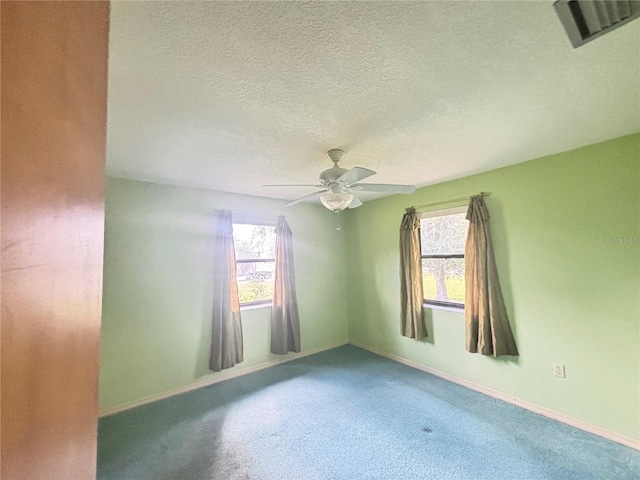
{"x":229,"y":96}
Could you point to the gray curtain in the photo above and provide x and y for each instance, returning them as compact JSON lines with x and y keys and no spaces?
{"x":487,"y":325}
{"x":411,"y":291}
{"x":285,"y":321}
{"x":226,"y":335}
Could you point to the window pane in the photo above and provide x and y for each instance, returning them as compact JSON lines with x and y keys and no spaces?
{"x":254,"y":241}
{"x":443,"y":235}
{"x":255,"y":281}
{"x":443,"y":279}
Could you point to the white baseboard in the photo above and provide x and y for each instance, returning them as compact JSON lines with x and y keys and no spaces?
{"x":587,"y":427}
{"x":226,"y":375}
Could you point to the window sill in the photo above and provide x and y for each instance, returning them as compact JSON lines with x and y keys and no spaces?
{"x":443,"y":307}
{"x":255,"y":306}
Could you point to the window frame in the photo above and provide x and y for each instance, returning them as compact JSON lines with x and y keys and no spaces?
{"x":256,"y":221}
{"x":442,"y":212}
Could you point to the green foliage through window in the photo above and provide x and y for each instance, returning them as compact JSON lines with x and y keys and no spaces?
{"x":255,"y":291}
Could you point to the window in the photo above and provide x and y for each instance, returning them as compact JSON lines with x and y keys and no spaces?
{"x":255,"y":247}
{"x":442,"y":238}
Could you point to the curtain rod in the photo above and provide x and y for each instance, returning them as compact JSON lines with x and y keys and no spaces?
{"x":484,"y":194}
{"x":253,"y":214}
{"x":253,"y":217}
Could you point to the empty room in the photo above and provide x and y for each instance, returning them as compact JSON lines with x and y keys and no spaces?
{"x":321,"y":240}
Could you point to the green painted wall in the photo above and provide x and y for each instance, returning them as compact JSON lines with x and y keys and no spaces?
{"x":573,"y":297}
{"x":158,"y":282}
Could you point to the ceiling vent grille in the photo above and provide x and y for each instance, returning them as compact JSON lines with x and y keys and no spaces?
{"x":586,"y":20}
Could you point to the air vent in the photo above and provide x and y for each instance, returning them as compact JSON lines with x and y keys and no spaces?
{"x":586,"y":20}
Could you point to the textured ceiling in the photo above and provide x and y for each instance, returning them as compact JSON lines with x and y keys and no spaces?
{"x":229,"y":96}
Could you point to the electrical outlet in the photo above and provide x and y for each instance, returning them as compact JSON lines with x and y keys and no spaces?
{"x":558,"y":370}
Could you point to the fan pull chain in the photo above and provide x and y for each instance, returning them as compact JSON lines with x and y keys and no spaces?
{"x":338,"y":225}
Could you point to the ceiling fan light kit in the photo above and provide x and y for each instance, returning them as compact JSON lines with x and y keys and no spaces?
{"x":336,"y":202}
{"x":340,"y":184}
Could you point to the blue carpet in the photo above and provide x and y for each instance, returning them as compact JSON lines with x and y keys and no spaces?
{"x":348,"y":414}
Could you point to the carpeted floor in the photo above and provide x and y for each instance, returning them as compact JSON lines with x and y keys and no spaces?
{"x":348,"y":414}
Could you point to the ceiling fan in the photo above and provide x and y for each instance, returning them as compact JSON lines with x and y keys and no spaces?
{"x":340,"y":184}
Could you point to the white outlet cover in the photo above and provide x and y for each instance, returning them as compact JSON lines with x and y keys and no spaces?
{"x":558,"y":370}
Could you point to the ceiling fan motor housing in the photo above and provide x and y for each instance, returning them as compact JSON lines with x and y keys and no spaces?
{"x":330,"y":175}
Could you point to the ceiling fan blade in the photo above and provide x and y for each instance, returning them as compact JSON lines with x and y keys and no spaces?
{"x":383,"y":188}
{"x":292,"y":185}
{"x":355,"y":175}
{"x":355,"y":203}
{"x":302,"y":199}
